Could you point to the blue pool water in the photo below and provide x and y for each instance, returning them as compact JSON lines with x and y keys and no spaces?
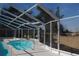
{"x":3,"y":49}
{"x":22,"y":44}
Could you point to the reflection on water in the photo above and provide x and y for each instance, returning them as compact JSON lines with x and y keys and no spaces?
{"x":3,"y":51}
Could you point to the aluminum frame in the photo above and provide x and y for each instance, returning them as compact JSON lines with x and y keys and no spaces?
{"x":23,"y":14}
{"x":5,"y":24}
{"x":20,"y":18}
{"x":18,"y":23}
{"x":38,"y":28}
{"x":30,"y":16}
{"x":7,"y":21}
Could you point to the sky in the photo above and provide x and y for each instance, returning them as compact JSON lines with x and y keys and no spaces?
{"x":68,"y":10}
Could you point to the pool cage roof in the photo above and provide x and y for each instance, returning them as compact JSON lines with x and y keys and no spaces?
{"x":19,"y":19}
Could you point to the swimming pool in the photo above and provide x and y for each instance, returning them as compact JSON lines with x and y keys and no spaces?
{"x":21,"y":44}
{"x":17,"y":44}
{"x":3,"y":49}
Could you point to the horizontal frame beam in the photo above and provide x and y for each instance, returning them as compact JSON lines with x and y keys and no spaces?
{"x":15,"y":23}
{"x":5,"y":24}
{"x":20,"y":18}
{"x":23,"y":13}
{"x":47,"y":11}
{"x":30,"y":16}
{"x":10,"y":18}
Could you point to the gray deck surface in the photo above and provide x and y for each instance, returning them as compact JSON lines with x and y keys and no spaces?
{"x":38,"y":50}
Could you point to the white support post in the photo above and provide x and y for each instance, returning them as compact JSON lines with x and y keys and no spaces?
{"x":34,"y":34}
{"x":18,"y":33}
{"x":58,"y":23}
{"x":14,"y":33}
{"x":50,"y":35}
{"x":44,"y":35}
{"x":6,"y":32}
{"x":34,"y":38}
{"x":21,"y":33}
{"x":28,"y":34}
{"x":39,"y":34}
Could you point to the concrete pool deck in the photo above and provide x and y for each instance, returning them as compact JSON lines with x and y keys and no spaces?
{"x":38,"y":50}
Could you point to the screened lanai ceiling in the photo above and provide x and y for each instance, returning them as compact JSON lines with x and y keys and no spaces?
{"x":20,"y":19}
